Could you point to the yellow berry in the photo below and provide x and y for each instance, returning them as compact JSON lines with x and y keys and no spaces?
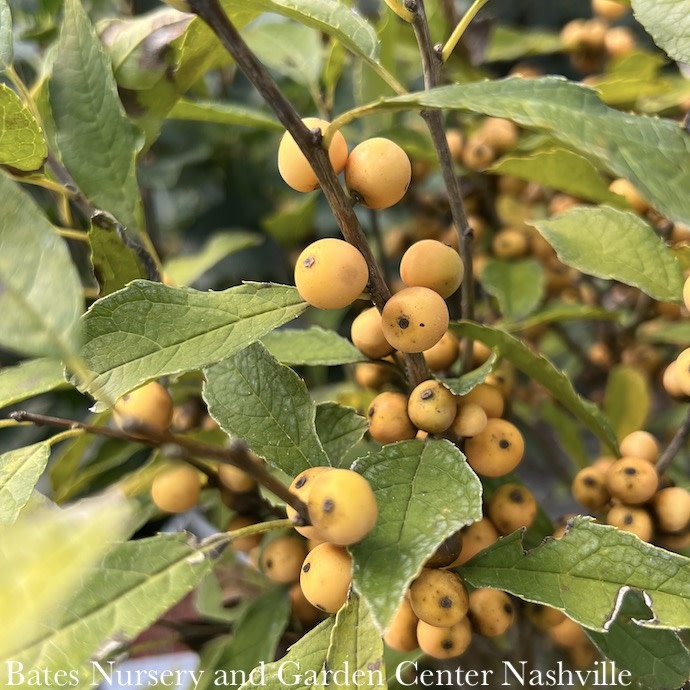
{"x":633,"y":519}
{"x":401,"y":634}
{"x":491,"y":611}
{"x":281,"y":559}
{"x":671,"y":507}
{"x":431,"y":407}
{"x":589,"y":488}
{"x":244,"y":544}
{"x":609,"y":9}
{"x":511,"y":507}
{"x":326,"y":576}
{"x":632,"y":480}
{"x":367,"y":335}
{"x":439,"y":597}
{"x":476,"y":537}
{"x":444,"y":353}
{"x":497,"y":450}
{"x":444,"y":642}
{"x":640,"y":444}
{"x":176,"y":490}
{"x":235,"y":479}
{"x":388,"y":418}
{"x":470,"y":420}
{"x":301,"y":487}
{"x":149,"y":406}
{"x":434,"y":265}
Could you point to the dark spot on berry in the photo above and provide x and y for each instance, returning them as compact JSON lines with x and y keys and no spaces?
{"x":403,"y":322}
{"x":300,"y":482}
{"x":421,"y":325}
{"x":628,"y":519}
{"x":630,"y":471}
{"x":503,"y":443}
{"x":445,"y":603}
{"x":308,"y":262}
{"x":427,"y":394}
{"x":447,"y":644}
{"x":328,"y":505}
{"x":508,"y":608}
{"x":269,"y":563}
{"x":516,"y":496}
{"x":590,"y":482}
{"x":306,"y":567}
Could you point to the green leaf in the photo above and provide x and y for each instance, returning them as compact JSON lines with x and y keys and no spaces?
{"x":566,"y":430}
{"x":114,"y":263}
{"x":339,"y":429}
{"x":19,"y":471}
{"x":63,"y":544}
{"x":559,"y":169}
{"x":185,"y":269}
{"x":301,"y":667}
{"x":626,"y":400}
{"x":559,"y":313}
{"x":22,"y":145}
{"x":136,"y":583}
{"x":664,"y":332}
{"x":542,"y":371}
{"x":355,"y":654}
{"x":29,"y":378}
{"x":148,"y":330}
{"x":509,"y":43}
{"x":517,"y":285}
{"x":465,"y":383}
{"x":40,"y":293}
{"x":668,"y":22}
{"x":631,"y":78}
{"x":650,"y":152}
{"x":586,"y":572}
{"x":293,"y":220}
{"x":254,"y":397}
{"x":224,"y":114}
{"x":311,"y":346}
{"x":425,"y":493}
{"x":657,"y":659}
{"x":6,"y":43}
{"x":97,"y":142}
{"x":608,"y":243}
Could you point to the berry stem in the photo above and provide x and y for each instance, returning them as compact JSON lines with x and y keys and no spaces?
{"x":459,"y":30}
{"x":674,"y":446}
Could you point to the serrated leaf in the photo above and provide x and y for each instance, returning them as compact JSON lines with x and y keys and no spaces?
{"x":40,"y":292}
{"x":19,"y":471}
{"x":619,"y":245}
{"x":135,"y":584}
{"x":254,"y":397}
{"x":509,"y":43}
{"x":6,"y":43}
{"x":301,"y":667}
{"x":668,"y":22}
{"x":312,"y":346}
{"x":626,"y":400}
{"x":650,"y":152}
{"x":339,"y":429}
{"x":148,"y":330}
{"x":517,"y":285}
{"x":224,"y":114}
{"x":62,"y":543}
{"x":465,"y":383}
{"x":114,"y":263}
{"x":657,"y":659}
{"x":29,"y":378}
{"x":425,"y":493}
{"x":22,"y":145}
{"x":558,"y":169}
{"x":97,"y":142}
{"x":184,"y":270}
{"x":540,"y":369}
{"x":586,"y":572}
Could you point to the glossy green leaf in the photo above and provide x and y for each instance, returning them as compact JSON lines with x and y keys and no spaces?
{"x":668,"y":22}
{"x":540,"y":369}
{"x":587,"y":572}
{"x":114,"y":263}
{"x":6,"y":42}
{"x":560,"y":313}
{"x":650,"y":152}
{"x":627,"y":399}
{"x":19,"y":471}
{"x":608,"y":243}
{"x":425,"y":493}
{"x":465,"y":383}
{"x":232,"y":114}
{"x":40,"y":292}
{"x":64,"y":544}
{"x":559,"y":169}
{"x":301,"y":667}
{"x":254,"y":397}
{"x":517,"y":285}
{"x":97,"y":142}
{"x":657,"y":659}
{"x":509,"y":43}
{"x":186,"y":268}
{"x":136,"y":583}
{"x":29,"y":378}
{"x":631,"y":78}
{"x":312,"y":346}
{"x":22,"y":145}
{"x":339,"y":429}
{"x":148,"y":330}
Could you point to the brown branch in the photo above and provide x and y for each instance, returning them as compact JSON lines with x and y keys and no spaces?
{"x":674,"y":446}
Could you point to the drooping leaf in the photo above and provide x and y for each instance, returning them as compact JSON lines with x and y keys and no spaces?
{"x":650,"y":152}
{"x":425,"y":493}
{"x":586,"y":572}
{"x":465,"y":383}
{"x":668,"y":22}
{"x":509,"y":43}
{"x":64,"y":544}
{"x":254,"y":397}
{"x":97,"y":142}
{"x":311,"y":346}
{"x":136,"y":583}
{"x":19,"y":471}
{"x":657,"y":659}
{"x":29,"y":378}
{"x":559,"y":169}
{"x":608,"y":243}
{"x":6,"y":43}
{"x":223,"y":114}
{"x":40,"y":293}
{"x":631,"y":78}
{"x":626,"y":401}
{"x":544,"y":372}
{"x":185,"y":269}
{"x":22,"y":145}
{"x":664,"y":332}
{"x":339,"y":429}
{"x":566,"y":430}
{"x":148,"y":330}
{"x":558,"y":313}
{"x":518,"y":285}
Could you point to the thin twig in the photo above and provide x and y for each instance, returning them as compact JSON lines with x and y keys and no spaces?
{"x":674,"y":446}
